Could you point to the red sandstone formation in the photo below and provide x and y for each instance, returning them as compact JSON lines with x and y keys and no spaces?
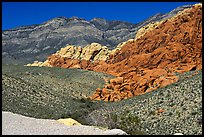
{"x":149,"y":62}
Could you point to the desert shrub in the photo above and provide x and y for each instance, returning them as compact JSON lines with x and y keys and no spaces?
{"x":84,"y":107}
{"x":126,"y":121}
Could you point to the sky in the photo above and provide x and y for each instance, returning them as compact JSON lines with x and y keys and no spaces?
{"x":16,"y":14}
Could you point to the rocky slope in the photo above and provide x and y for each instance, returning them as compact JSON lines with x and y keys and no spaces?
{"x":176,"y":108}
{"x":26,"y":44}
{"x":147,"y":62}
{"x":49,"y":92}
{"x":53,"y":93}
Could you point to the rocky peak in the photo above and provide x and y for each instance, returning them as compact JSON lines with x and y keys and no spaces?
{"x":77,"y":21}
{"x":99,"y":20}
{"x":100,"y":23}
{"x":56,"y":22}
{"x":180,"y":8}
{"x":175,"y":11}
{"x":75,"y":18}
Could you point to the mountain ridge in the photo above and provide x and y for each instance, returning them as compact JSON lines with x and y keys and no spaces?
{"x":26,"y":44}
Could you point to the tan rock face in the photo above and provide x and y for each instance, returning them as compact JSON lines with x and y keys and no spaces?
{"x":92,"y":52}
{"x":89,"y":52}
{"x":39,"y":64}
{"x":147,"y":28}
{"x":119,"y":46}
{"x":103,"y":54}
{"x":148,"y":62}
{"x":70,"y":52}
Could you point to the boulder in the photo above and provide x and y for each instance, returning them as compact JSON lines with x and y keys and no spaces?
{"x":118,"y":80}
{"x":68,"y":121}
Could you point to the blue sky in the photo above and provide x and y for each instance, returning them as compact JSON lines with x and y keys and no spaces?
{"x":27,"y":13}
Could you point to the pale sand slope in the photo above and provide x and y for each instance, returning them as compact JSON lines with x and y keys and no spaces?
{"x":15,"y":124}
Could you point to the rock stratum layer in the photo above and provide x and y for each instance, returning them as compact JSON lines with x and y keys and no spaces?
{"x":145,"y":63}
{"x":26,"y":44}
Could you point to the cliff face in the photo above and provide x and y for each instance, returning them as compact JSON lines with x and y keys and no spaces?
{"x":150,"y":61}
{"x":26,"y":44}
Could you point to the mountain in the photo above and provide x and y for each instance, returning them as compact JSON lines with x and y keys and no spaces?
{"x":143,"y":64}
{"x":26,"y":44}
{"x":36,"y":42}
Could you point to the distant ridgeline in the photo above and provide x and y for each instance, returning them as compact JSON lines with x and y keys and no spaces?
{"x":27,"y":44}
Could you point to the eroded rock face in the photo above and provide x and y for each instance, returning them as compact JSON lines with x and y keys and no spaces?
{"x":89,"y":52}
{"x":93,"y":52}
{"x":147,"y":28}
{"x":148,"y":62}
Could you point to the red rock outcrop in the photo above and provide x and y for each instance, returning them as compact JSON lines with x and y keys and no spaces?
{"x":150,"y":61}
